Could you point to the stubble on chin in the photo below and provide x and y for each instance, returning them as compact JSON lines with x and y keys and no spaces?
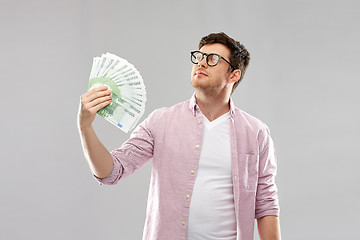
{"x":203,"y":87}
{"x":198,"y":83}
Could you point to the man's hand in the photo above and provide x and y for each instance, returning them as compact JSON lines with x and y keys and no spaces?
{"x":90,"y":103}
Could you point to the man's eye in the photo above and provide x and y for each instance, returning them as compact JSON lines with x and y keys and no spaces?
{"x":213,"y":58}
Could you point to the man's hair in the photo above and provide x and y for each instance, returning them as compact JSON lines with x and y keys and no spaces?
{"x":239,"y":56}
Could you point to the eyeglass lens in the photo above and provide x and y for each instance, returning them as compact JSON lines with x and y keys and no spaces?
{"x":211,"y":59}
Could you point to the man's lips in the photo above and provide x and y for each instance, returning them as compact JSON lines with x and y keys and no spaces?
{"x":200,"y":73}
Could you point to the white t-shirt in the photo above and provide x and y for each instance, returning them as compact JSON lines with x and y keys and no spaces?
{"x":212,"y":210}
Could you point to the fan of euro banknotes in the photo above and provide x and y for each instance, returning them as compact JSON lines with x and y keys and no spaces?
{"x":127,"y":89}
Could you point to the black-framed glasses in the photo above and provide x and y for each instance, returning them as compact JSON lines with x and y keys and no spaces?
{"x":212,"y":59}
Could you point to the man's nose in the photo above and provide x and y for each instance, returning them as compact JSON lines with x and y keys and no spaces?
{"x":203,"y":62}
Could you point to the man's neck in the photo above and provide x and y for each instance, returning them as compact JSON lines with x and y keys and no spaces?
{"x":213,"y":106}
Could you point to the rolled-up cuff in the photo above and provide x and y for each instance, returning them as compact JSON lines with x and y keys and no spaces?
{"x":113,"y":177}
{"x":267,"y":213}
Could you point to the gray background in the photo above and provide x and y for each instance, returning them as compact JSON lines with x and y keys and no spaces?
{"x":303,"y":81}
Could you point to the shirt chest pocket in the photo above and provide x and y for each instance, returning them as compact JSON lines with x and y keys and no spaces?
{"x":248,"y":171}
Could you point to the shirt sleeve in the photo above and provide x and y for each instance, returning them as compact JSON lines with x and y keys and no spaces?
{"x":266,"y":196}
{"x":132,"y":154}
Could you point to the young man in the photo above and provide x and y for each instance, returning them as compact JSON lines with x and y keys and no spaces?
{"x":214,"y":165}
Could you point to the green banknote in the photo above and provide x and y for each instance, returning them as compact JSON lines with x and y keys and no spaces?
{"x":127,"y":89}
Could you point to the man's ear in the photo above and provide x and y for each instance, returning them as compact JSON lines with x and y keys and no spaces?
{"x":235,"y":76}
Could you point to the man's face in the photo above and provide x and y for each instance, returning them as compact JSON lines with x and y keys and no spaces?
{"x":211,"y":78}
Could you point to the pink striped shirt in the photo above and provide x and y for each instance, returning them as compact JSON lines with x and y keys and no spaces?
{"x":172,"y":138}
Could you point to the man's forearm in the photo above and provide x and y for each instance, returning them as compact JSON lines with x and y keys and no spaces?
{"x":269,"y":228}
{"x":98,"y":157}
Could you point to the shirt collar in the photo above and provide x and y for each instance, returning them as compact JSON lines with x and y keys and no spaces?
{"x":194,"y":107}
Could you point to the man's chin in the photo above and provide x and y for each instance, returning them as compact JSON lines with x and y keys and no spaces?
{"x":198,"y":83}
{"x":200,"y":87}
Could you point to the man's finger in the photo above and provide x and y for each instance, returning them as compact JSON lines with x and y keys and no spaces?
{"x":101,"y":105}
{"x":86,"y":98}
{"x":98,"y":100}
{"x":94,"y":90}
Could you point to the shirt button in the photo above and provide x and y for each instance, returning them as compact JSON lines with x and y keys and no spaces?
{"x":199,"y":121}
{"x":183,"y":222}
{"x":187,"y":196}
{"x":192,"y":171}
{"x":197,"y":146}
